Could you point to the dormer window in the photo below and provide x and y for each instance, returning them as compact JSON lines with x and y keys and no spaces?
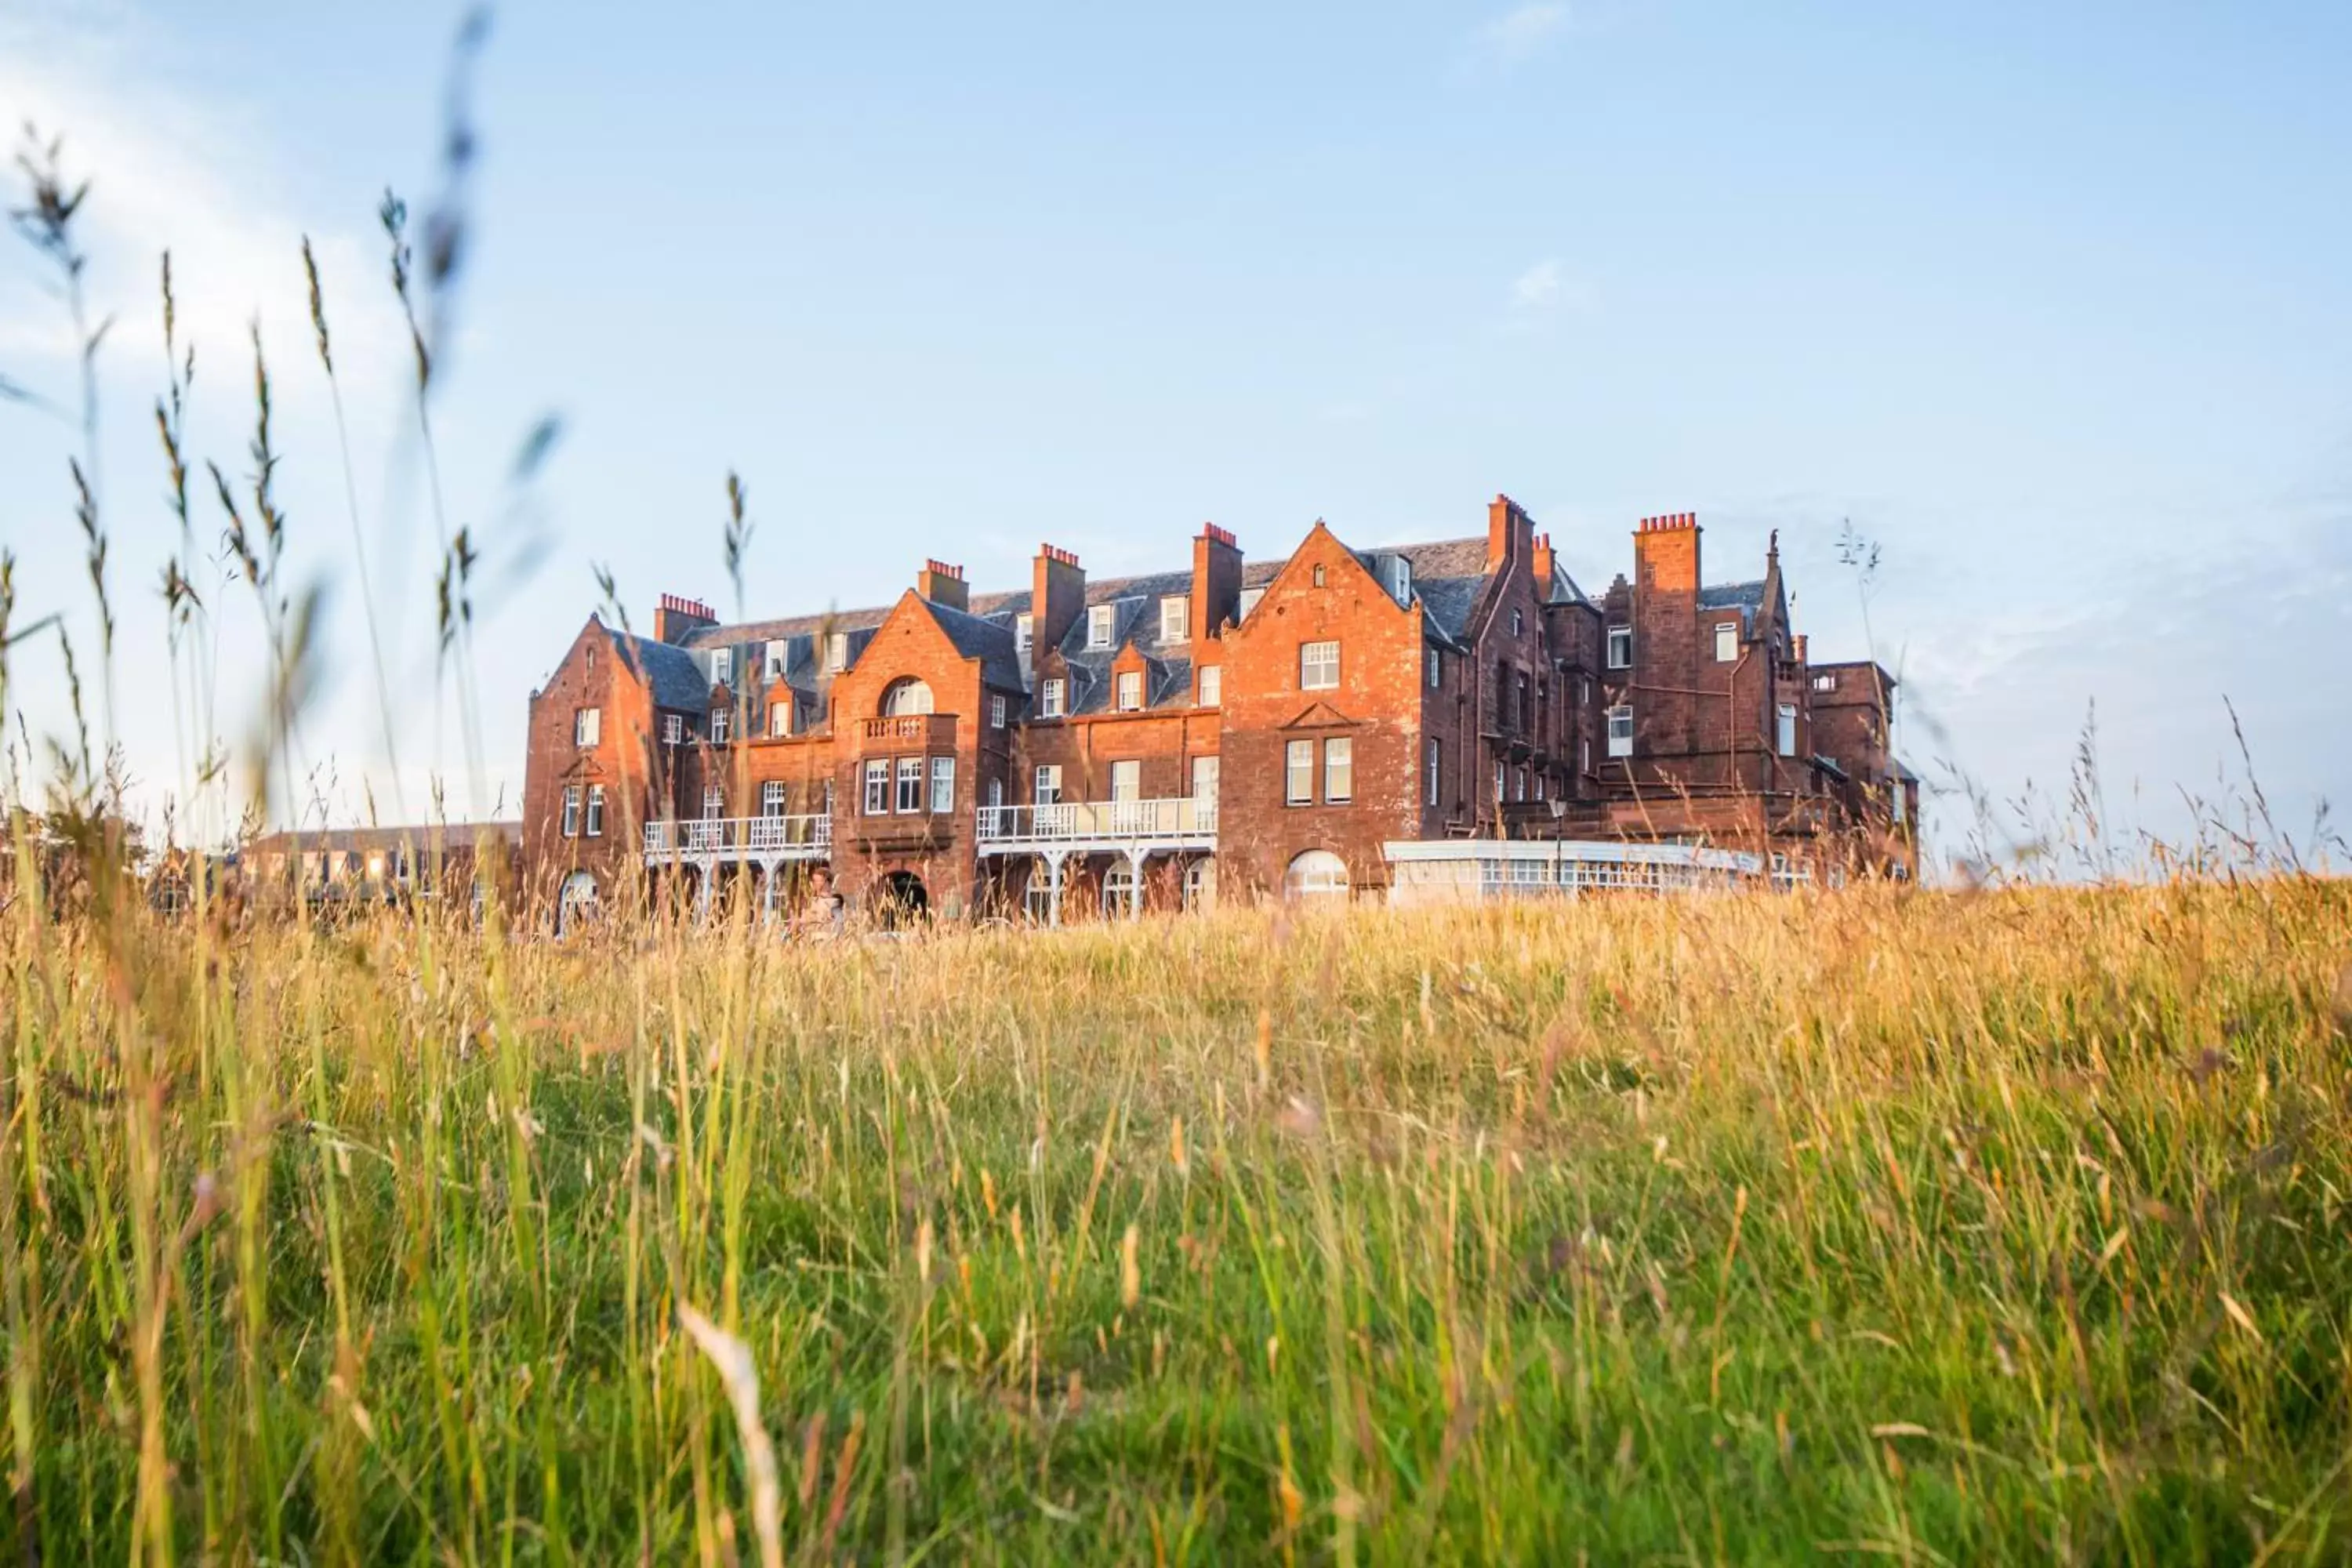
{"x":778,"y":653}
{"x":780,"y":718}
{"x":1825,"y":683}
{"x":1250,"y":597}
{"x":1130,"y":691}
{"x":1100,"y":619}
{"x":1400,"y":580}
{"x":836,"y":652}
{"x":1025,"y":633}
{"x":722,"y":664}
{"x":1175,"y":618}
{"x":1621,"y":647}
{"x":719,"y":721}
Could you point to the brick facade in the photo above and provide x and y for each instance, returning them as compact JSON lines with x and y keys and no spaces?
{"x":1265,"y":713}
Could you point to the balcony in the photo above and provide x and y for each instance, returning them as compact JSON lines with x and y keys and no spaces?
{"x":1180,"y":823}
{"x":907,"y":731}
{"x":742,"y":839}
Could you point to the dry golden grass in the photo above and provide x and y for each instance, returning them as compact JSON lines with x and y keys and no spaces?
{"x":1950,"y":1227}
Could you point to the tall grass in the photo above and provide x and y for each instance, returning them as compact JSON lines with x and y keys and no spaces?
{"x":1950,"y":1227}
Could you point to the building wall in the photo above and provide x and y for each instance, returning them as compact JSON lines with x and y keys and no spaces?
{"x":1377,"y":705}
{"x":590,"y":675}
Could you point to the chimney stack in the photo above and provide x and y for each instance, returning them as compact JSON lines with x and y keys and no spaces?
{"x":1511,"y":532}
{"x":1542,"y":563}
{"x":943,"y":585}
{"x":1666,"y":554}
{"x":677,"y":617}
{"x":1058,"y":597}
{"x":1216,"y":581}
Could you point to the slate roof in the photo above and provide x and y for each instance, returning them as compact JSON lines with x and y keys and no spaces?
{"x":677,"y":677}
{"x":1447,"y":574}
{"x":1748,"y":596}
{"x":989,"y":641}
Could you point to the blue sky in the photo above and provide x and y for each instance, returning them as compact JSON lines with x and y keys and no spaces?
{"x":2054,"y":302}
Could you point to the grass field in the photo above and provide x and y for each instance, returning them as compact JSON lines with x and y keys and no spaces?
{"x":1949,"y":1227}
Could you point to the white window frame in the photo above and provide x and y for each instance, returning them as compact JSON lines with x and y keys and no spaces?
{"x":1619,"y":641}
{"x":1400,"y":580}
{"x":780,"y":718}
{"x":1785,"y":730}
{"x":721,"y":722}
{"x":1339,"y":770}
{"x":1049,"y":699}
{"x":1433,"y":663}
{"x":596,"y":818}
{"x":1250,"y":597}
{"x":836,"y":652}
{"x":1825,"y":681}
{"x":673,"y":729}
{"x":571,"y":811}
{"x":1318,"y":575}
{"x":779,"y":653}
{"x":1045,"y":788}
{"x":587,"y":727}
{"x":1213,"y":685}
{"x":1176,"y":618}
{"x":1727,"y":642}
{"x":1621,"y":730}
{"x":1519,"y":621}
{"x":996,"y":711}
{"x":1298,"y":773}
{"x":1025,"y":633}
{"x":722,"y":665}
{"x":773,"y":802}
{"x":995,"y":794}
{"x":877,"y":787}
{"x":1205,"y":772}
{"x":1436,"y":755}
{"x":1318,"y":665}
{"x":907,"y":800}
{"x":1130,"y":691}
{"x":714,"y":803}
{"x":943,"y":771}
{"x":1127,"y":779}
{"x":1102,"y":620}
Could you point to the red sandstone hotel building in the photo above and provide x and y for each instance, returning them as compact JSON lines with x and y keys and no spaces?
{"x":1446,"y":721}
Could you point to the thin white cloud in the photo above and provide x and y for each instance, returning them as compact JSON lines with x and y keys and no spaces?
{"x":1544,"y":290}
{"x":167,"y":173}
{"x":1521,"y":34}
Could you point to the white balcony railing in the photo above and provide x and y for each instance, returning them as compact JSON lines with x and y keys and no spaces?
{"x":740,"y":839}
{"x":1177,"y":820}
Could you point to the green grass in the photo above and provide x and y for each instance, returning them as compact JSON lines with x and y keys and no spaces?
{"x":2007,"y":1226}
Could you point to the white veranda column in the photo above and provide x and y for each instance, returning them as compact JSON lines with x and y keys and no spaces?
{"x":1135,"y":883}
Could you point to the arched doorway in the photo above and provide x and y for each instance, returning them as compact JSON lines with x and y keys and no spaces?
{"x":1119,"y":889}
{"x":906,"y":695}
{"x":1314,"y":876}
{"x":1200,"y":885}
{"x":899,"y":899}
{"x":575,"y":902}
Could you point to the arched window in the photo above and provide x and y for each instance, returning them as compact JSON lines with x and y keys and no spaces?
{"x":1118,"y":889}
{"x":906,"y":695}
{"x":1317,"y":874}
